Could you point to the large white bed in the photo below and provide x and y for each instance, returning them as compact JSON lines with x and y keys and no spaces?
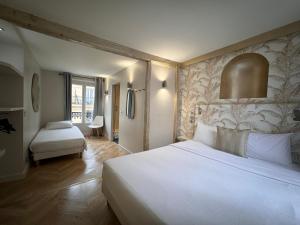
{"x":57,"y":142}
{"x":191,"y":183}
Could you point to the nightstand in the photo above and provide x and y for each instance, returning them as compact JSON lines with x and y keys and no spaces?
{"x":181,"y":138}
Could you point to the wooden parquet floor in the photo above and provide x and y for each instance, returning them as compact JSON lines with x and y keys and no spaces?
{"x":61,"y":191}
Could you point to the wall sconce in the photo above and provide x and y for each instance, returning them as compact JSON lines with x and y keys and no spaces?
{"x":199,"y":110}
{"x":129,"y":85}
{"x":106,"y":92}
{"x":297,"y":114}
{"x":164,"y":84}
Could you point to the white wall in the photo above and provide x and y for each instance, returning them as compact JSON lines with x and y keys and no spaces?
{"x":26,"y":122}
{"x":131,"y":131}
{"x":53,"y":100}
{"x":53,"y":104}
{"x":12,"y":55}
{"x":162,"y":111}
{"x":11,"y":47}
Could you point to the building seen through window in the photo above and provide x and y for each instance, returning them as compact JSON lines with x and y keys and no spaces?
{"x":83,"y":97}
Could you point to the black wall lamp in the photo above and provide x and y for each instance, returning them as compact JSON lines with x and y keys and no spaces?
{"x":297,"y":114}
{"x":164,"y":84}
{"x":129,"y":85}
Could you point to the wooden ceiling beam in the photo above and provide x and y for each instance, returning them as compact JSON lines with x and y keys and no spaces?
{"x":38,"y":24}
{"x":273,"y":34}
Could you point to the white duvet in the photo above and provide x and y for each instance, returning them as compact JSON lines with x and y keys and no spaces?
{"x":191,"y":183}
{"x":58,"y":139}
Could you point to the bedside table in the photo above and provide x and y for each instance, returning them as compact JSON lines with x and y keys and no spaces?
{"x":181,"y":138}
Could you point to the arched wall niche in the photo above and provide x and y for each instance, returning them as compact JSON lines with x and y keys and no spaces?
{"x":245,"y":76}
{"x":11,"y":86}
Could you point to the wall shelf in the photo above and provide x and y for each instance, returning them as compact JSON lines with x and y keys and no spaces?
{"x":10,"y":109}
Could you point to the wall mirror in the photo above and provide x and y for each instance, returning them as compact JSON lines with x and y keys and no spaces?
{"x":35,"y":92}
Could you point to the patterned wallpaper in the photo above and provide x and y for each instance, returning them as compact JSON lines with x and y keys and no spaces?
{"x":199,"y":88}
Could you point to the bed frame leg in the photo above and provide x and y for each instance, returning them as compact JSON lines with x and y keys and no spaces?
{"x":80,"y":154}
{"x":37,"y":162}
{"x":108,"y":205}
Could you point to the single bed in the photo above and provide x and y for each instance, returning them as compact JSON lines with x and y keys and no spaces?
{"x":191,"y":183}
{"x":57,"y":142}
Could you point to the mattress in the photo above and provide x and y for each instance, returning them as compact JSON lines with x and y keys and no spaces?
{"x":58,"y":139}
{"x":191,"y":183}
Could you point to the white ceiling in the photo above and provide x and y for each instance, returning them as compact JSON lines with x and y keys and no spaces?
{"x":9,"y":35}
{"x":175,"y":29}
{"x":58,"y":55}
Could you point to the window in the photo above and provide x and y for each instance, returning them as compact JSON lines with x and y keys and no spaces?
{"x":83,"y":97}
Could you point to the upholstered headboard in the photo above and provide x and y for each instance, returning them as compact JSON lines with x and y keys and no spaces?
{"x":199,"y":90}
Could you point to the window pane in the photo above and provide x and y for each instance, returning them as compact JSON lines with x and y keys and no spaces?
{"x":76,"y":103}
{"x":89,"y":103}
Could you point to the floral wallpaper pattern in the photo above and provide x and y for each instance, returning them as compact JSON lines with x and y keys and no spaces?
{"x":199,"y":88}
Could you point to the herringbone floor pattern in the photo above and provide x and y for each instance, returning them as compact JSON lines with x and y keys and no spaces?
{"x":61,"y":191}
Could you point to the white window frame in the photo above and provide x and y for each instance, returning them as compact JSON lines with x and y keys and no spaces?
{"x":84,"y":82}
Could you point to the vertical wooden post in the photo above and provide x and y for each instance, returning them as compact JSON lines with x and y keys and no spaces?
{"x":147,"y":106}
{"x":176,"y":97}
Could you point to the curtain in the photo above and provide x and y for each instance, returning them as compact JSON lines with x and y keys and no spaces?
{"x":68,"y":95}
{"x":98,"y":104}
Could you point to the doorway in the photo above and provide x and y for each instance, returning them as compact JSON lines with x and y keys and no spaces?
{"x":115,"y":112}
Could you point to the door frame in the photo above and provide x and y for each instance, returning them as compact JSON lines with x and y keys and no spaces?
{"x":112,"y":106}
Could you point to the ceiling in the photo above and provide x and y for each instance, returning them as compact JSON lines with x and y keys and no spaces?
{"x":59,"y":55}
{"x":174,"y":29}
{"x":9,"y":35}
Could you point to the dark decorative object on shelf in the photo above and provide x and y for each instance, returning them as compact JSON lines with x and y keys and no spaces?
{"x":6,"y":127}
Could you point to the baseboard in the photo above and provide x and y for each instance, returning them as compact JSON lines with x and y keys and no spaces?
{"x":130,"y":152}
{"x":16,"y":176}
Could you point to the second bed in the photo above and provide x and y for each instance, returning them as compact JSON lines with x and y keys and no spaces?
{"x":57,"y":142}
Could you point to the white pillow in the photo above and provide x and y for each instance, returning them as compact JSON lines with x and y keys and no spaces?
{"x":59,"y":125}
{"x":206,"y":134}
{"x":274,"y":148}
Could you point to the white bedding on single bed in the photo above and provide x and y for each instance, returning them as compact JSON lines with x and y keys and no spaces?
{"x":191,"y":183}
{"x":51,"y":140}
